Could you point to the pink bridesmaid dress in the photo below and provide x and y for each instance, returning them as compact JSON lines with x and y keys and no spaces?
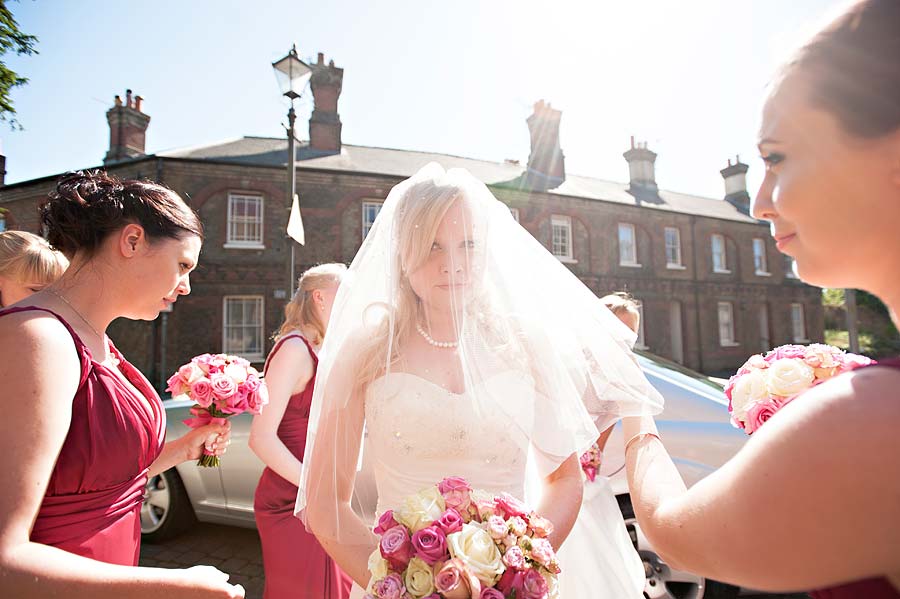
{"x":295,"y":564}
{"x":93,"y":500}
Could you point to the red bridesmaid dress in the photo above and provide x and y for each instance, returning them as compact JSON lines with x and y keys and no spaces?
{"x":295,"y":564}
{"x":93,"y":500}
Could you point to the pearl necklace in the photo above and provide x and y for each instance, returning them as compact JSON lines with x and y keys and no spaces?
{"x":430,"y":341}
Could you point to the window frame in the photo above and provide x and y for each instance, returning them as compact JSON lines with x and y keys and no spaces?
{"x":245,"y":244}
{"x":565,"y":221}
{"x":731,"y":339}
{"x":367,"y":226}
{"x":715,"y":268}
{"x":628,"y":261}
{"x":252,"y":356}
{"x":679,"y":265}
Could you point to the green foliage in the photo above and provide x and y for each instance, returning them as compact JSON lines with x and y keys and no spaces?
{"x":11,"y":40}
{"x":833,"y":297}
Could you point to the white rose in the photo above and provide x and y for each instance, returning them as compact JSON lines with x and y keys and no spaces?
{"x":475,"y":548}
{"x":378,"y":566}
{"x":419,"y":578}
{"x":789,"y":376}
{"x":237,"y":373}
{"x":420,"y":510}
{"x":749,"y":388}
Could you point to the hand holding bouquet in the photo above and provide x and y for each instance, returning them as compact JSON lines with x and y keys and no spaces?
{"x":220,"y":386}
{"x":591,"y":461}
{"x":765,"y":384}
{"x":452,"y":542}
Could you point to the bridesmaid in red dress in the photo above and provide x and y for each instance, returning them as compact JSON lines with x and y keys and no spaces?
{"x":82,"y":429}
{"x":812,"y":501}
{"x":295,"y":564}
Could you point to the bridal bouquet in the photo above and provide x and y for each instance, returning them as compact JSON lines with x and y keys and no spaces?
{"x":220,"y":386}
{"x":765,"y":384}
{"x":591,"y":461}
{"x":450,"y":541}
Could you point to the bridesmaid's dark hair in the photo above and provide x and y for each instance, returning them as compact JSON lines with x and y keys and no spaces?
{"x":853,"y":66}
{"x":89,"y":205}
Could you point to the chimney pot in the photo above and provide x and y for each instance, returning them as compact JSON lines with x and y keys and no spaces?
{"x":128,"y":101}
{"x":321,"y":58}
{"x":118,"y":101}
{"x":137,"y":103}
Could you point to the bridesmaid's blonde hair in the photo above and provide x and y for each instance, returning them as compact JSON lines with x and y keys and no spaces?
{"x":27,"y":257}
{"x":299,"y":313}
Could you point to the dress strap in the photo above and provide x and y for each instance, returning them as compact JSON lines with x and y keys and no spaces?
{"x":281,"y":341}
{"x":84,"y":354}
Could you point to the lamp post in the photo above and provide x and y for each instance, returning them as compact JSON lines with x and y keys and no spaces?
{"x":292,"y":75}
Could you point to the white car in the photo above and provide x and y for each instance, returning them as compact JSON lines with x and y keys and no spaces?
{"x":695,"y":427}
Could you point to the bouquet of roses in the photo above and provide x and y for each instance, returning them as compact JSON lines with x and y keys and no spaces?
{"x":765,"y":384}
{"x":220,"y":386}
{"x":590,"y":462}
{"x":452,"y":542}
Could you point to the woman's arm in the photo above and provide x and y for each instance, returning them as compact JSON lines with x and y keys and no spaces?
{"x":288,"y":373}
{"x":807,"y":503}
{"x":561,"y":499}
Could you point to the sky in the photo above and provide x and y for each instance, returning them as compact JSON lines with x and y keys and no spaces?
{"x":455,"y":77}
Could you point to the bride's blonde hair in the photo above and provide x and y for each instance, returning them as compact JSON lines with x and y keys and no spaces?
{"x":25,"y":256}
{"x":300,"y":313}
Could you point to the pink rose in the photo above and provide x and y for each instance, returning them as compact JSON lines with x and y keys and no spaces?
{"x":450,"y":521}
{"x":489,"y":593}
{"x":511,"y":506}
{"x":854,"y":361}
{"x":222,"y":386}
{"x":496,"y":527}
{"x":759,"y":413}
{"x":430,"y":545}
{"x":236,"y":404}
{"x":453,"y":581}
{"x":514,"y":558}
{"x":396,"y":547}
{"x":389,"y":587}
{"x":456,"y":492}
{"x":201,"y":392}
{"x":541,"y":526}
{"x":786,"y":351}
{"x":257,"y":399}
{"x":252,"y":383}
{"x":512,"y":580}
{"x":542,"y":552}
{"x":175,"y":385}
{"x":534,"y":586}
{"x":385,"y":523}
{"x":517,"y":526}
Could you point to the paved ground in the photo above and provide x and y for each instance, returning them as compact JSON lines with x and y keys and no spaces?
{"x":236,"y":551}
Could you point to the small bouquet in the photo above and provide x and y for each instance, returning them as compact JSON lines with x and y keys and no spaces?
{"x":765,"y":384}
{"x":590,"y":462}
{"x":220,"y":386}
{"x":449,"y":541}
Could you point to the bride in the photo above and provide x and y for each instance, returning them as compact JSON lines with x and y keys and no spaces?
{"x":458,"y":346}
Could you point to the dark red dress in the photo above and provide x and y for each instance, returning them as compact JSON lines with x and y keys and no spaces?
{"x":872,"y":588}
{"x":93,"y":500}
{"x":295,"y":564}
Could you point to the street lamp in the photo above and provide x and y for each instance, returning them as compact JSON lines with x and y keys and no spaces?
{"x":292,"y":75}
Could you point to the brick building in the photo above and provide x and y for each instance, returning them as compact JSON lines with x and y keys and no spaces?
{"x":712,"y":285}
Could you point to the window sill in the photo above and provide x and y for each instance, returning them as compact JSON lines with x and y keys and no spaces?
{"x":641,"y":346}
{"x":567,"y":260}
{"x":763,"y":273}
{"x":244,"y":246}
{"x":729,"y":344}
{"x":249,"y":357}
{"x":630,"y":265}
{"x":721,"y":272}
{"x":802,"y":341}
{"x":676,"y":266}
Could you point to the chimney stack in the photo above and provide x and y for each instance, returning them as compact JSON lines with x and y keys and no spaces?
{"x":127,"y":129}
{"x":735,"y":176}
{"x":641,"y":167}
{"x":546,"y":163}
{"x":325,"y":122}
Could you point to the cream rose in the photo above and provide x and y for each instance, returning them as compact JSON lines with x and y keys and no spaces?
{"x":378,"y":567}
{"x":475,"y":548}
{"x":788,"y":377}
{"x":749,"y":388}
{"x":419,"y":578}
{"x":420,"y":510}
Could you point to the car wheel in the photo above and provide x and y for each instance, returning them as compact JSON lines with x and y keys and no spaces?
{"x":166,"y":511}
{"x":664,"y":582}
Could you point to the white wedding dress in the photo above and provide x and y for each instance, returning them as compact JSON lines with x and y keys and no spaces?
{"x":419,"y":433}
